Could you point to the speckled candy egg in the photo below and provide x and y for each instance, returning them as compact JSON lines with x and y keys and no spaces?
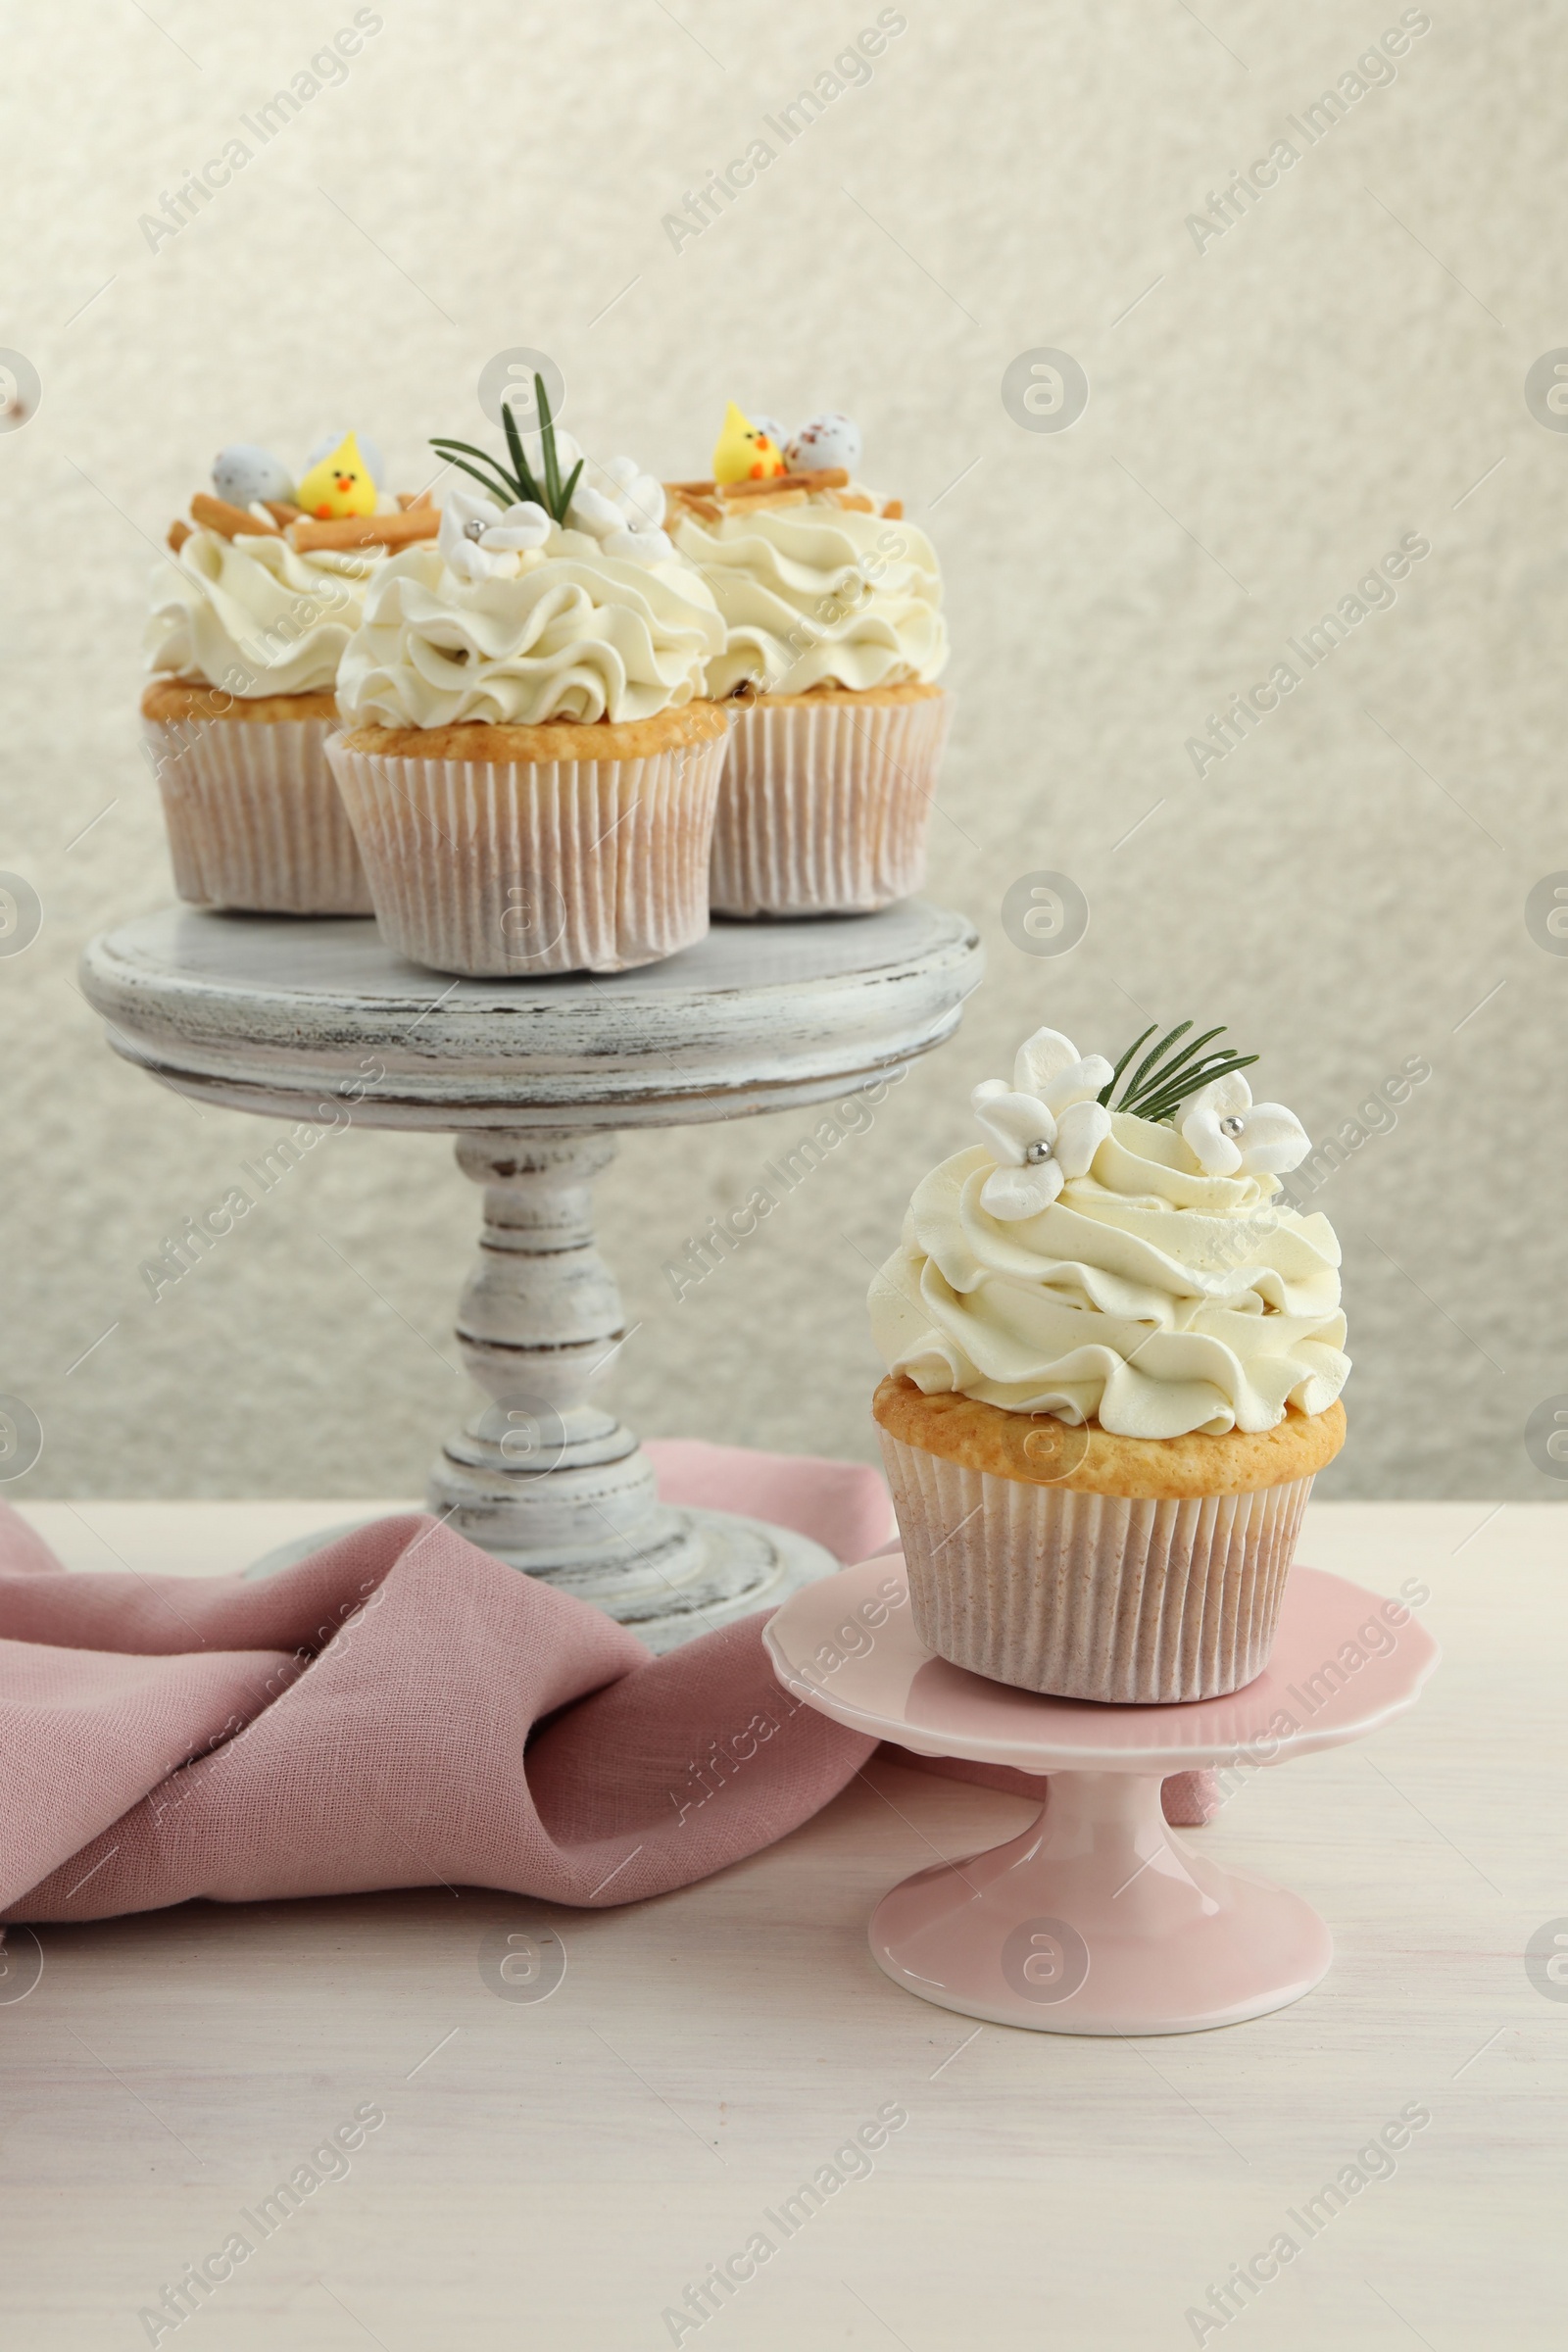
{"x":243,"y":474}
{"x":831,"y":439}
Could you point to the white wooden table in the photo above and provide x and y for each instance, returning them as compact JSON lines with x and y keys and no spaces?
{"x":556,"y":2174}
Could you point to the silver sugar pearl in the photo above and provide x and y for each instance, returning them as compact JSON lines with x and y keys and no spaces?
{"x":474,"y":529}
{"x":1231,"y":1126}
{"x":1035,"y":1152}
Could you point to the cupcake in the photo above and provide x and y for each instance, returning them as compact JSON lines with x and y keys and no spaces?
{"x":1114,"y":1358}
{"x":531,"y":766}
{"x":248,"y":619}
{"x":834,"y":639}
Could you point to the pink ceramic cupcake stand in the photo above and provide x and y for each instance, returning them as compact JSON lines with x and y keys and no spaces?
{"x":1099,"y":1919}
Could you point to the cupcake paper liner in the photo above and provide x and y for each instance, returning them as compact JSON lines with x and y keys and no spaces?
{"x":556,"y":865}
{"x":824,"y":804}
{"x":255,"y":818}
{"x":1101,"y":1596}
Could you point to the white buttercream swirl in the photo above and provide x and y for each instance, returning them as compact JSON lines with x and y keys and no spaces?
{"x":254,"y":616}
{"x":547,"y":627}
{"x":1147,"y":1296}
{"x":819,"y":594}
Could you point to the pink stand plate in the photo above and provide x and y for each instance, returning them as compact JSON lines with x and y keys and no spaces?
{"x":1099,"y":1919}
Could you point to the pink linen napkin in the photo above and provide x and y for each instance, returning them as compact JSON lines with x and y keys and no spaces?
{"x":400,"y":1711}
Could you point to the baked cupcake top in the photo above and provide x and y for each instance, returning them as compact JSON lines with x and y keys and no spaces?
{"x":820,"y":581}
{"x":544,"y":597}
{"x":1121,"y":1259}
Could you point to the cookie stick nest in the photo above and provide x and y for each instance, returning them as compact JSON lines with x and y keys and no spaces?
{"x":711,"y":501}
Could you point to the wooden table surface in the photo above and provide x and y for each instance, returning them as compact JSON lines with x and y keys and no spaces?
{"x":556,"y":2174}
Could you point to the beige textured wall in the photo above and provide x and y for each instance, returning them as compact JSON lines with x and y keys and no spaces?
{"x":1336,"y":370}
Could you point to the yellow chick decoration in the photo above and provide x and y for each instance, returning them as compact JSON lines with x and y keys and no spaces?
{"x":340,"y":484}
{"x":744,"y":452}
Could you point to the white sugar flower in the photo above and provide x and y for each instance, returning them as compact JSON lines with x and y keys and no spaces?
{"x":482,"y":541}
{"x":625,"y":519}
{"x":639,"y":495}
{"x":592,"y":512}
{"x":1043,"y":1129}
{"x":1231,"y":1135}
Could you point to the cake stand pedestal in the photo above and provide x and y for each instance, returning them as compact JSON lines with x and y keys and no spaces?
{"x":319,"y":1023}
{"x":1099,"y":1919}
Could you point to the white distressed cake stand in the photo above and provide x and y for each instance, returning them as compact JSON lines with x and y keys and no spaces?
{"x":285,"y":1016}
{"x":1099,"y":1919}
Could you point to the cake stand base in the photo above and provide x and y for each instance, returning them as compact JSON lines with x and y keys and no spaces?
{"x":721,"y":1567}
{"x":300,"y":1547}
{"x":1098,"y":1920}
{"x":730,"y":1566}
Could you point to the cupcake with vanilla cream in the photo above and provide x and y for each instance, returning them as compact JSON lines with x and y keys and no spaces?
{"x":531,"y":763}
{"x":1114,"y":1358}
{"x":250,"y":613}
{"x":834,"y":641}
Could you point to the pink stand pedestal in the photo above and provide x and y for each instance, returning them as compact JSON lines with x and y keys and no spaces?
{"x":1099,"y":1919}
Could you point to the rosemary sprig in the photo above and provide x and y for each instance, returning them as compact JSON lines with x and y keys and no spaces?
{"x":547,"y":440}
{"x":1107,"y":1091}
{"x":1163,"y":1080}
{"x":502,"y":496}
{"x":1192,"y":1082}
{"x":1135,"y":1085}
{"x":522,"y":484}
{"x":1171,"y":1070}
{"x":519,"y":456}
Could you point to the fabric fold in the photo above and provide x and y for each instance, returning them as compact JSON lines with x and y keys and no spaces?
{"x":400,"y":1711}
